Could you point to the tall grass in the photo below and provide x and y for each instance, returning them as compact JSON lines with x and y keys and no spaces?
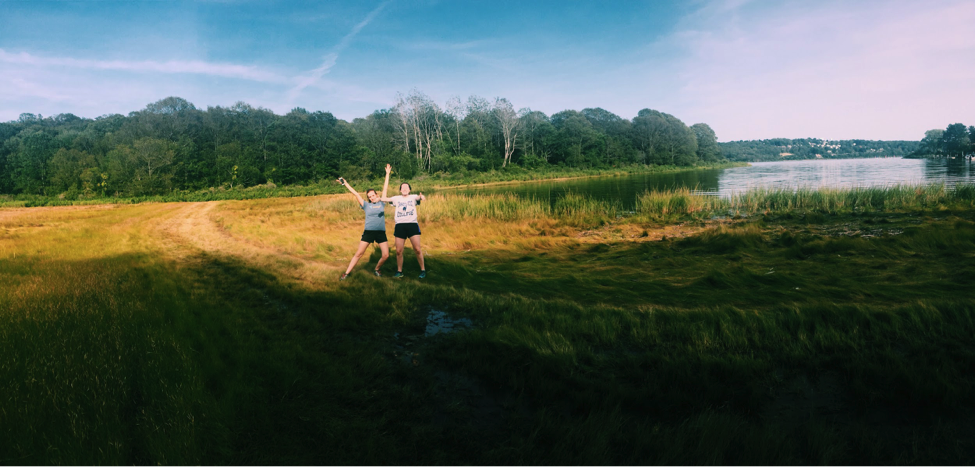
{"x":679,"y":203}
{"x":499,"y":207}
{"x":94,"y":370}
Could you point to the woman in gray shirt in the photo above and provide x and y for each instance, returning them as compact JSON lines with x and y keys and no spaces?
{"x":375,"y":229}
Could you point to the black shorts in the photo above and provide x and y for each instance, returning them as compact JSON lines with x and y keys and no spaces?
{"x":406,"y":230}
{"x":378,"y":236}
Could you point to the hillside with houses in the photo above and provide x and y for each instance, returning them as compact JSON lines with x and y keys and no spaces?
{"x":813,"y":148}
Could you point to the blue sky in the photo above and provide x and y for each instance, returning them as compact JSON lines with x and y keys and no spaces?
{"x":750,"y":69}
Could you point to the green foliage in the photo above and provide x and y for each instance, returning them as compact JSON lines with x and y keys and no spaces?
{"x":173,"y":146}
{"x":954,"y":141}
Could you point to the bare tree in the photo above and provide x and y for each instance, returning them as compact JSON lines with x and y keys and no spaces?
{"x":509,"y":123}
{"x":456,"y":109}
{"x":402,"y":121}
{"x":420,"y":121}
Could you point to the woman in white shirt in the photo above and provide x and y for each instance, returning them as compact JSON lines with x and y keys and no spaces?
{"x":406,"y":226}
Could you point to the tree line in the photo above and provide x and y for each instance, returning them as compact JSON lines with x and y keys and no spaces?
{"x":954,"y":141}
{"x":776,"y":149}
{"x":172,"y":145}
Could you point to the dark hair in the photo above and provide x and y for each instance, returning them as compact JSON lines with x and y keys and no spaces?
{"x":407,"y":184}
{"x":372,"y":190}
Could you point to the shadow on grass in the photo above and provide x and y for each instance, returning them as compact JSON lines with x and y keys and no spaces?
{"x":746,"y":266}
{"x":213,"y":361}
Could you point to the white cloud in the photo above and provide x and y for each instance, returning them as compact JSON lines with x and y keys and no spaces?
{"x":224,"y":70}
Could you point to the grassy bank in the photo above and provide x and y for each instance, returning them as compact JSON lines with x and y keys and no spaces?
{"x":425,"y":182}
{"x":771,"y":328}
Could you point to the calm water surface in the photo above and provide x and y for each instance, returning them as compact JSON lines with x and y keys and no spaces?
{"x":836,"y":173}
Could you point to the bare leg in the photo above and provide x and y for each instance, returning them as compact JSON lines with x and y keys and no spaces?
{"x":384,"y":248}
{"x":358,"y":254}
{"x":415,"y":240}
{"x":400,"y":243}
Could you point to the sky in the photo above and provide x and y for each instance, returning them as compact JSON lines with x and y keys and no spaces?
{"x":870,"y":69}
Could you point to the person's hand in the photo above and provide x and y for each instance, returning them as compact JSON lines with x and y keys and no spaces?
{"x":422,"y":198}
{"x":389,"y":169}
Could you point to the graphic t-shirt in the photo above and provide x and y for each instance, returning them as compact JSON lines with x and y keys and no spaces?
{"x":405,"y":208}
{"x":375,"y":216}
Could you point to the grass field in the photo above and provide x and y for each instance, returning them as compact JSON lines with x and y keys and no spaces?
{"x":772,"y":328}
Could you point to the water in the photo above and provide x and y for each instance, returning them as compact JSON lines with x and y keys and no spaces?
{"x":845,"y":173}
{"x":817,"y":173}
{"x":439,"y":322}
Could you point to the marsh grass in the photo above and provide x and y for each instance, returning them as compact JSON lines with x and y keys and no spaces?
{"x":832,"y":330}
{"x":683,"y":204}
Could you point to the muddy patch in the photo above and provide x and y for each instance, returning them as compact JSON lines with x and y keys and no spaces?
{"x":409,"y":348}
{"x":439,"y":322}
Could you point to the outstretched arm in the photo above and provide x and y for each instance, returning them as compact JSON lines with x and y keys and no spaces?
{"x":389,"y":169}
{"x":352,"y":190}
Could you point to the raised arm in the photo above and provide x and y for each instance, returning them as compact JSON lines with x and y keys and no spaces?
{"x":389,"y":169}
{"x":352,"y":190}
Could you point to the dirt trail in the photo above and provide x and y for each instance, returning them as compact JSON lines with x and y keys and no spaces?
{"x":190,"y":229}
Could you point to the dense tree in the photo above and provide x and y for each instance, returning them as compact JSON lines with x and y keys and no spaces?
{"x":575,"y":142}
{"x":707,"y":143}
{"x":955,"y":140}
{"x":27,"y":160}
{"x":664,"y":139}
{"x":649,"y":128}
{"x":618,"y":145}
{"x":170,"y":144}
{"x":150,"y":160}
{"x":537,"y":129}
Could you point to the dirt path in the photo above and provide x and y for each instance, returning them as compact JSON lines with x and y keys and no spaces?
{"x":189,"y":229}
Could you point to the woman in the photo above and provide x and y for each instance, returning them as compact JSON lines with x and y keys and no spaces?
{"x":375,"y":229}
{"x":406,"y":226}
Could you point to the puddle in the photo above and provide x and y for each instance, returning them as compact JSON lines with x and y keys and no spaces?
{"x":438,"y":322}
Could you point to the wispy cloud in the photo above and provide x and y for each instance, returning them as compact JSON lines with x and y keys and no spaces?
{"x":224,"y":70}
{"x":829,"y":69}
{"x":445,"y":46}
{"x":332,"y":57}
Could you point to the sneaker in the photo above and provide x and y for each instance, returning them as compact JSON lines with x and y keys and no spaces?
{"x":377,"y":273}
{"x":398,"y":274}
{"x":343,"y":277}
{"x":423,"y":274}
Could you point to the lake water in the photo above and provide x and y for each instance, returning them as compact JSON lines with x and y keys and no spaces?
{"x":835,"y":173}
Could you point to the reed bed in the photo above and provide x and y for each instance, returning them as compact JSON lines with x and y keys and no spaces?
{"x":683,"y":203}
{"x":498,"y":207}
